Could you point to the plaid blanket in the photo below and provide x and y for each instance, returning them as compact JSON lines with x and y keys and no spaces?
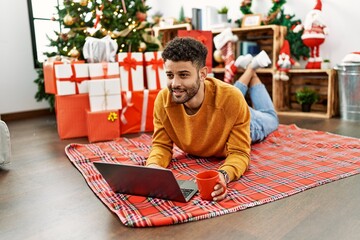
{"x":288,"y":161}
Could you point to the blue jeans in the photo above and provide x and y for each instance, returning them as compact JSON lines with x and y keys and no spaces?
{"x":264,"y":119}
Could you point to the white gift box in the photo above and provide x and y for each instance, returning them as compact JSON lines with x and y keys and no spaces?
{"x":131,"y":71}
{"x":104,"y":95}
{"x":155,"y":72}
{"x":104,"y":71}
{"x":104,"y":87}
{"x":71,"y":78}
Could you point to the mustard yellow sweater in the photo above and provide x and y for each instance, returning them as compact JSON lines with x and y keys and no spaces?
{"x":220,"y":128}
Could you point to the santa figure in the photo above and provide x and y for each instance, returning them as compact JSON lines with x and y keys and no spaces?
{"x":284,"y":62}
{"x":314,"y":34}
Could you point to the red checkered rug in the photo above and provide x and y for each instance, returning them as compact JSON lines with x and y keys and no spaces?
{"x":289,"y":161}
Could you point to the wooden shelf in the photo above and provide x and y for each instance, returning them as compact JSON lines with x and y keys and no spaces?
{"x":260,"y":70}
{"x":269,"y":38}
{"x":303,"y":114}
{"x":167,"y":33}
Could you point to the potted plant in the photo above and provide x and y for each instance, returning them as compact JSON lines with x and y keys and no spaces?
{"x":326,"y":64}
{"x":223,"y":14}
{"x":306,"y":97}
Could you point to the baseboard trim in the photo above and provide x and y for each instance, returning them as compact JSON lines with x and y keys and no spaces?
{"x":26,"y":115}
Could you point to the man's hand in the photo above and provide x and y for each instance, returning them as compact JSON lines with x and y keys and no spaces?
{"x":219,"y":192}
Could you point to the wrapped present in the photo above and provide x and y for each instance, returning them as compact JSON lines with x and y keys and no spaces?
{"x":206,"y":37}
{"x":71,"y":115}
{"x":49,"y":71}
{"x":155,"y":73}
{"x":103,"y":126}
{"x":131,"y":71}
{"x":97,"y":50}
{"x":137,"y":113}
{"x":104,"y":87}
{"x":71,"y":78}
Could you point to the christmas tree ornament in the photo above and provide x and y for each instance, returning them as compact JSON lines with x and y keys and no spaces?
{"x":74,"y":53}
{"x":68,"y":20}
{"x":313,"y":35}
{"x":64,"y":36}
{"x":217,"y":57}
{"x":142,"y":47}
{"x":141,"y":16}
{"x":99,"y":13}
{"x":83,"y":3}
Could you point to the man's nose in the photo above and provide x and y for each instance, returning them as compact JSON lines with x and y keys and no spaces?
{"x":176,"y":82}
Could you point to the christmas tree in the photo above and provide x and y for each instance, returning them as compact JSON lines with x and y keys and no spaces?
{"x":122,"y":20}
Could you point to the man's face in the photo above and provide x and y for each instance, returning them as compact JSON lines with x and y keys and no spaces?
{"x":183,"y":80}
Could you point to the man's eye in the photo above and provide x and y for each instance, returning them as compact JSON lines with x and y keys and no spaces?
{"x":184,"y":75}
{"x":170,"y":76}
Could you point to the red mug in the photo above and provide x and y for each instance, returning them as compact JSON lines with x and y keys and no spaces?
{"x":206,"y":182}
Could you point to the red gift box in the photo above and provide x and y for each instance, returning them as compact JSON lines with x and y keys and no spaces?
{"x":103,"y":125}
{"x":131,"y":71}
{"x":137,"y":113}
{"x":206,"y":37}
{"x":70,"y":77}
{"x":71,"y":115}
{"x":155,"y":72}
{"x":49,"y":73}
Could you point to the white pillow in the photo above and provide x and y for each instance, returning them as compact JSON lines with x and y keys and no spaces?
{"x":5,"y":147}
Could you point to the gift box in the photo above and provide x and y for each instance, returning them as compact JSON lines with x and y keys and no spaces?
{"x":71,"y":78}
{"x":104,"y":87}
{"x":104,"y":95}
{"x":49,"y":76}
{"x":103,"y":126}
{"x":155,"y":72}
{"x":131,"y":71}
{"x":206,"y":37}
{"x":137,"y":113}
{"x":49,"y":71}
{"x":71,"y":115}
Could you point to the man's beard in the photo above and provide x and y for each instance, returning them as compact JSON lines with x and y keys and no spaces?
{"x":188,"y":93}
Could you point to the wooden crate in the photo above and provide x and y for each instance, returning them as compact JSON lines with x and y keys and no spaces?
{"x":323,"y":81}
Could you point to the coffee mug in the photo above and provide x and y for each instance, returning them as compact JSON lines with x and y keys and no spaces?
{"x":206,"y":182}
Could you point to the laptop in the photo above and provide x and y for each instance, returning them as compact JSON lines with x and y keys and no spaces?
{"x":146,"y":181}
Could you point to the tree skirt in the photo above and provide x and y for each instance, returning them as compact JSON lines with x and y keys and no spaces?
{"x":288,"y":161}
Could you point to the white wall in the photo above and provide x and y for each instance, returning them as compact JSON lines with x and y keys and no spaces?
{"x":17,"y":73}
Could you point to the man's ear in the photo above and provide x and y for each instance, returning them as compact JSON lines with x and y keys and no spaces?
{"x":203,"y":72}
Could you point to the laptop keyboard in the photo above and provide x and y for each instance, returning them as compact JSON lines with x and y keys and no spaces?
{"x":186,"y":192}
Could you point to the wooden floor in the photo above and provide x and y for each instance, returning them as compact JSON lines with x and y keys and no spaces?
{"x":43,"y":196}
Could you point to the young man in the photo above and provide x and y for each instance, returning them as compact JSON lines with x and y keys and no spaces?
{"x":204,"y":116}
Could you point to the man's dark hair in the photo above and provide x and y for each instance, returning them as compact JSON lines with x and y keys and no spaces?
{"x":186,"y":49}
